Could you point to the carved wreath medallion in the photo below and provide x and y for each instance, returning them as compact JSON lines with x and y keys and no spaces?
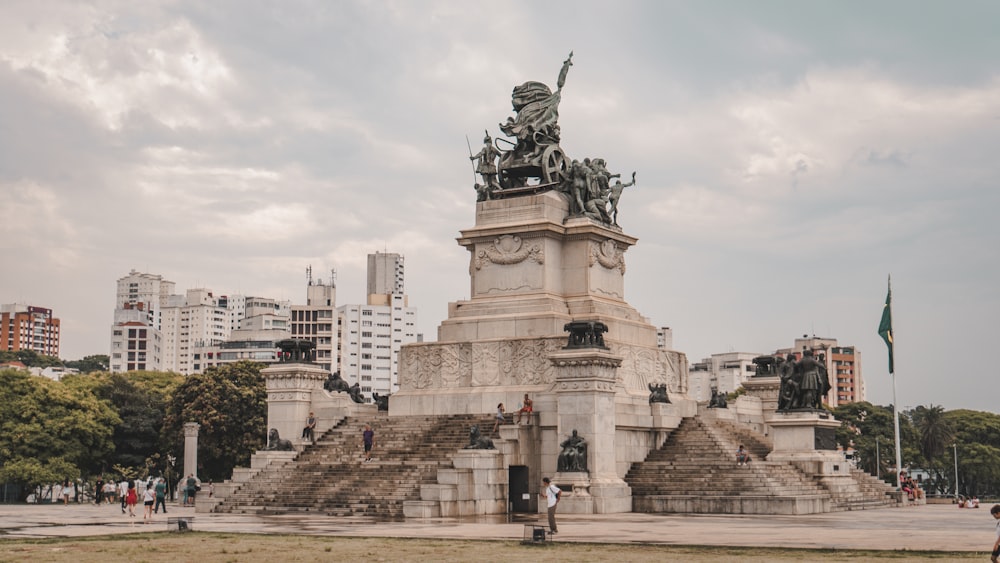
{"x":607,"y":254}
{"x":509,"y":249}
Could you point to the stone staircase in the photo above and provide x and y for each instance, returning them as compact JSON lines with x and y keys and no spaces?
{"x":695,"y":471}
{"x":331,"y":477}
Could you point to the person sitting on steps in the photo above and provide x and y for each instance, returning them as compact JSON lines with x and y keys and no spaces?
{"x":526,"y":408}
{"x":308,"y":432}
{"x":742,"y":456}
{"x":499,"y":419}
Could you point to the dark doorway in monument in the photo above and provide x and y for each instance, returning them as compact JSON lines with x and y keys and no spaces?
{"x":520,"y":494}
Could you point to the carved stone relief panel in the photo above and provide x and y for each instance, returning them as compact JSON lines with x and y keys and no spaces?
{"x":608,"y":255}
{"x":508,"y":249}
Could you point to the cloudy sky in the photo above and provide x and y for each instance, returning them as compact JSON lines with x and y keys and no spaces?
{"x":790,"y":156}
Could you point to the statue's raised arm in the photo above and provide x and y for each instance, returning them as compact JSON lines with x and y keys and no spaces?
{"x":564,"y":71}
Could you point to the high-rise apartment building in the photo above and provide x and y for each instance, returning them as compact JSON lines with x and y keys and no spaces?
{"x":370,"y":336}
{"x":26,"y":327}
{"x":136,"y":336}
{"x":316,"y":321}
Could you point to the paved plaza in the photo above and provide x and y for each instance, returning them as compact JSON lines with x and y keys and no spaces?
{"x":941,"y":527}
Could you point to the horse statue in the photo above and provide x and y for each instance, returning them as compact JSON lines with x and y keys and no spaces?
{"x":477,"y":441}
{"x":275,"y":443}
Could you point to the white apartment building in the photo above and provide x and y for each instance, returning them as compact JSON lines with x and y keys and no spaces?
{"x":256,"y":325}
{"x":136,"y":332}
{"x":725,"y":372}
{"x":370,"y":339}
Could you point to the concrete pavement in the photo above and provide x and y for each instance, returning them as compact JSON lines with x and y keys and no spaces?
{"x":941,"y":527}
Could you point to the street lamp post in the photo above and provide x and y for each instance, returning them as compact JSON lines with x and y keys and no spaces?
{"x":955,"y":448}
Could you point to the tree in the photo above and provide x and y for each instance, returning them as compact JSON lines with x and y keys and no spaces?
{"x":977,"y":436}
{"x":29,"y":358}
{"x":230,"y":404}
{"x":861,"y":424}
{"x":936,"y":434}
{"x":48,"y":428}
{"x":140,"y":399}
{"x":89,"y":364}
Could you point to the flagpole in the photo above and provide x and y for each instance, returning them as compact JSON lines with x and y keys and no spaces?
{"x":886,"y":332}
{"x":895,"y":421}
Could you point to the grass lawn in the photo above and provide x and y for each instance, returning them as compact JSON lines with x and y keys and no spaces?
{"x":202,"y":547}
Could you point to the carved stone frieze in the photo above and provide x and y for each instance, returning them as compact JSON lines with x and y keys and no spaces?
{"x":509,"y":249}
{"x":454,"y":365}
{"x":607,"y":254}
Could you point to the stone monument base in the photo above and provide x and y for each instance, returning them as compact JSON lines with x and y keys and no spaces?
{"x":806,"y":439}
{"x":583,"y":495}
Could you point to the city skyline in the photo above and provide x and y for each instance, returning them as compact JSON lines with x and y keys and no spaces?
{"x":789,"y":157}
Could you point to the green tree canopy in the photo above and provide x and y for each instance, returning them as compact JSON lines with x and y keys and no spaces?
{"x":140,"y":399}
{"x":230,"y":404}
{"x":861,"y":424}
{"x":29,"y":358}
{"x":89,"y":364}
{"x":977,"y":435}
{"x":50,"y":428}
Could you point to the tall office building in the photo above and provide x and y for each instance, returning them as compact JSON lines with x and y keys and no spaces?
{"x":385,"y":274}
{"x":371,"y":335}
{"x":26,"y":327}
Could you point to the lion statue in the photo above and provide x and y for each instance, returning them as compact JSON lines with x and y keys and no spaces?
{"x":477,"y":441}
{"x":276,"y":443}
{"x":335,"y":383}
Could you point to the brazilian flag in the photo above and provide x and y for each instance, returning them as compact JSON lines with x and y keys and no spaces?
{"x":885,"y":327}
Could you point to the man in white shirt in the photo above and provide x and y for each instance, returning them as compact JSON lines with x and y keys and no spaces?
{"x":552,"y":494}
{"x":123,"y":492}
{"x":995,"y":511}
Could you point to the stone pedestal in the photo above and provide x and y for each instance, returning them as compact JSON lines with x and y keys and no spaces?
{"x":585,"y":398}
{"x":807,"y":440}
{"x":290,"y":390}
{"x":766,"y":389}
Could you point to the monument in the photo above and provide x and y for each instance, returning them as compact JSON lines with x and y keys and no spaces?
{"x":547,"y":258}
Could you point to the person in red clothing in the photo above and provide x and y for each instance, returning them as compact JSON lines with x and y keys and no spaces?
{"x":131,"y":499}
{"x":526,"y":408}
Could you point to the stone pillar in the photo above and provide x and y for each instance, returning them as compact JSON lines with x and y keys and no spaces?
{"x":290,"y":389}
{"x":765,"y":389}
{"x":191,"y":448}
{"x":585,"y":399}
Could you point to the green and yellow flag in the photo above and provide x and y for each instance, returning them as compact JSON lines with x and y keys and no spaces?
{"x":885,"y":327}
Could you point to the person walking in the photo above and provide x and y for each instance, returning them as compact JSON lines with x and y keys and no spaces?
{"x":148,"y":498}
{"x":995,"y":511}
{"x":123,"y":493}
{"x":552,"y":494}
{"x":131,"y":499}
{"x":99,"y":490}
{"x":161,"y":496}
{"x":368,"y":441}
